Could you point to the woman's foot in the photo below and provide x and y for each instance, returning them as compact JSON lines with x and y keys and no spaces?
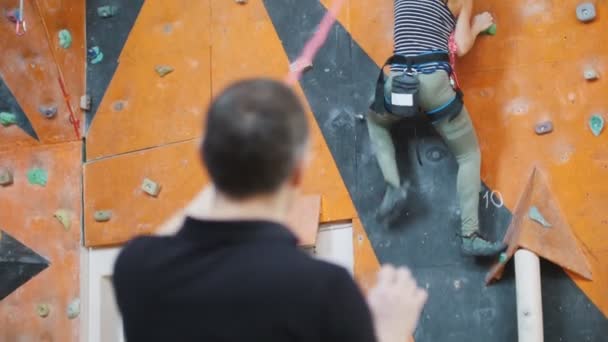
{"x":393,"y":203}
{"x":475,"y":245}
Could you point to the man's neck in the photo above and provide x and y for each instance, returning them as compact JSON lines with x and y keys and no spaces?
{"x":265,"y":207}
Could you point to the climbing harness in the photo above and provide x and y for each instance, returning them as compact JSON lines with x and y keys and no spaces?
{"x":20,"y":25}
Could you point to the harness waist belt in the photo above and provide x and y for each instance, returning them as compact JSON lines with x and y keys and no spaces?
{"x":420,"y":59}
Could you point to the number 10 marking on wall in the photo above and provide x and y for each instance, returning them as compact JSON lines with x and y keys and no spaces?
{"x":495,"y":197}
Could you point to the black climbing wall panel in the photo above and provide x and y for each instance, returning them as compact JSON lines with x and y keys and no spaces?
{"x":9,"y":104}
{"x":18,"y":264}
{"x":110,"y":34}
{"x":460,"y":308}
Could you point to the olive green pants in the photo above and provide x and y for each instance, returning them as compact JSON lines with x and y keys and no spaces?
{"x":458,"y":134}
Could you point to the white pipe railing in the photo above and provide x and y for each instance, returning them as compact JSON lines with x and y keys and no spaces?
{"x":529,"y":299}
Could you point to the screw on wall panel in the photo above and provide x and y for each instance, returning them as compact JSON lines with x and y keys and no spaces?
{"x":586,"y":12}
{"x":65,"y":39}
{"x":119,"y":105}
{"x":43,"y":310}
{"x":49,"y":112}
{"x":95,"y":55}
{"x":150,"y":187}
{"x":106,"y":11}
{"x":37,"y":176}
{"x":6,"y":177}
{"x":544,"y":127}
{"x":163,"y":70}
{"x":102,"y":215}
{"x":7,"y":119}
{"x":596,"y":123}
{"x":591,"y":74}
{"x":64,"y":217}
{"x":85,"y":102}
{"x":73,"y":309}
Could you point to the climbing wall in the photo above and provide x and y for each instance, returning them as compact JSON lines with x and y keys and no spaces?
{"x":153,"y":66}
{"x":41,"y":82}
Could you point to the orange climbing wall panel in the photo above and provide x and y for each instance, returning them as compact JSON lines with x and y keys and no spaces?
{"x":115,"y":184}
{"x":140,"y":109}
{"x":531,"y":71}
{"x":27,"y":65}
{"x":27,"y":215}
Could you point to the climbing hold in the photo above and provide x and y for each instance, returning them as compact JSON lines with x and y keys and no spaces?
{"x":585,"y":12}
{"x":63,"y":216}
{"x":299,"y":65}
{"x":102,"y":215}
{"x":85,"y":102}
{"x":544,"y":127}
{"x":37,"y":176}
{"x":535,"y":215}
{"x":491,"y":31}
{"x":503,"y":258}
{"x":73,"y":309}
{"x":13,"y":15}
{"x":591,"y":74}
{"x":106,"y":11}
{"x":65,"y":39}
{"x":241,"y":2}
{"x":7,"y":119}
{"x":48,"y":112}
{"x":596,"y":123}
{"x":6,"y":177}
{"x":150,"y":187}
{"x":43,"y":310}
{"x":163,"y":70}
{"x":95,"y":55}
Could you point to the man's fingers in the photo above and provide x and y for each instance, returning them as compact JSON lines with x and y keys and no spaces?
{"x":386,"y":276}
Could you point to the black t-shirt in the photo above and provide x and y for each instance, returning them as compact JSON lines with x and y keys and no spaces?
{"x":235,"y":281}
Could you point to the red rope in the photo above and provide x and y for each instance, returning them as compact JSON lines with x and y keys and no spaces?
{"x":453,"y":46}
{"x":73,"y":120}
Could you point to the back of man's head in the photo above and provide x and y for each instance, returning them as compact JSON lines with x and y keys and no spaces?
{"x":256,"y":136}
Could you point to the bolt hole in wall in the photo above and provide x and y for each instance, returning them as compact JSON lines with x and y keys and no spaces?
{"x":102,"y":320}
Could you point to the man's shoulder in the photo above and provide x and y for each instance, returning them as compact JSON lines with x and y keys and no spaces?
{"x":137,"y":252}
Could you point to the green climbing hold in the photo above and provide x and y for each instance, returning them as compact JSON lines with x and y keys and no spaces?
{"x":596,"y":123}
{"x":95,"y":55}
{"x":163,"y":70}
{"x":491,"y":31}
{"x":65,"y":39}
{"x":503,"y":258}
{"x":37,"y":176}
{"x":7,"y":119}
{"x":106,"y":11}
{"x":535,"y":215}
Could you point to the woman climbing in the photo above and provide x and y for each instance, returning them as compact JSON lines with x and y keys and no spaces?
{"x":425,"y":30}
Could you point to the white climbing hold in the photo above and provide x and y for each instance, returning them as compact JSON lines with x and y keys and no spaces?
{"x":74,"y":309}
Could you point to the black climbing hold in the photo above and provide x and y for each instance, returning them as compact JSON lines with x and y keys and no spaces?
{"x":544,"y":127}
{"x":18,"y":264}
{"x":48,"y":112}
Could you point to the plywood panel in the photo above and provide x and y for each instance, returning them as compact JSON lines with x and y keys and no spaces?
{"x":115,"y":184}
{"x":147,"y":110}
{"x":260,"y":53}
{"x":29,"y":70}
{"x":27,"y":214}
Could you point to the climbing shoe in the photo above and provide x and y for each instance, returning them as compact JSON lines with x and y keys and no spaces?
{"x":476,"y":245}
{"x":393,"y":203}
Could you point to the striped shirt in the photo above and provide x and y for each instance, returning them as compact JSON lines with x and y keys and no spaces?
{"x":422,"y":26}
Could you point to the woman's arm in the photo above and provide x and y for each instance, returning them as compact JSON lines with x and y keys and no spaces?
{"x":467,"y":32}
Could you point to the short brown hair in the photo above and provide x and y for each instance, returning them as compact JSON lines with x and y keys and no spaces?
{"x":256,"y":132}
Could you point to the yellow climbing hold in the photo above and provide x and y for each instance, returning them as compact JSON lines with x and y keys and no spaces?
{"x":64,"y":217}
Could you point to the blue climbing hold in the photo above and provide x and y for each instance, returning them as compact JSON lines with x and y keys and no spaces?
{"x":95,"y":55}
